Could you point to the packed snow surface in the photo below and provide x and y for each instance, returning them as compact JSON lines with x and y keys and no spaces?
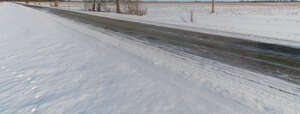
{"x":52,"y":65}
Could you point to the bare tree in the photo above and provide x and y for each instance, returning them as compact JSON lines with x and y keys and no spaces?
{"x":103,"y":6}
{"x":56,"y":3}
{"x":94,"y":5}
{"x":213,"y":6}
{"x":134,"y":7}
{"x":87,"y":5}
{"x":99,"y":6}
{"x":118,"y":10}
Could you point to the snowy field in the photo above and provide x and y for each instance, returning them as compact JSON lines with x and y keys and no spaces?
{"x":53,"y":65}
{"x":269,"y":20}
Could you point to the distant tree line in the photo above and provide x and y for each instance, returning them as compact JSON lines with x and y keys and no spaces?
{"x":155,"y":0}
{"x":133,"y":7}
{"x":269,"y":1}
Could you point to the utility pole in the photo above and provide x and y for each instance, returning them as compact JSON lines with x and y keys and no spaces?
{"x":213,"y":6}
{"x":118,"y":6}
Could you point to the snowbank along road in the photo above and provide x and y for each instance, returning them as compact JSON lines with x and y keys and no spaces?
{"x":51,"y":65}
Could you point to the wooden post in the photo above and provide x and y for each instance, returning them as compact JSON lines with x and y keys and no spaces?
{"x":213,"y":6}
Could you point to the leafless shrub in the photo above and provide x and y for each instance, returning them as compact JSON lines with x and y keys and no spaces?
{"x":26,"y":1}
{"x":134,"y":7}
{"x":88,"y":5}
{"x":98,"y":5}
{"x":189,"y":18}
{"x":128,"y":6}
{"x":52,"y":4}
{"x":103,"y":6}
{"x":192,"y":16}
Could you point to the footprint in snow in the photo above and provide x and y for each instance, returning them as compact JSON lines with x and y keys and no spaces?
{"x":29,"y":78}
{"x":20,"y":75}
{"x":14,"y":73}
{"x":32,"y":82}
{"x":33,"y":110}
{"x":33,"y":88}
{"x":37,"y":97}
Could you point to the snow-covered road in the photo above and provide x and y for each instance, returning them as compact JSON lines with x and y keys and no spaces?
{"x":276,"y":23}
{"x":51,"y":65}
